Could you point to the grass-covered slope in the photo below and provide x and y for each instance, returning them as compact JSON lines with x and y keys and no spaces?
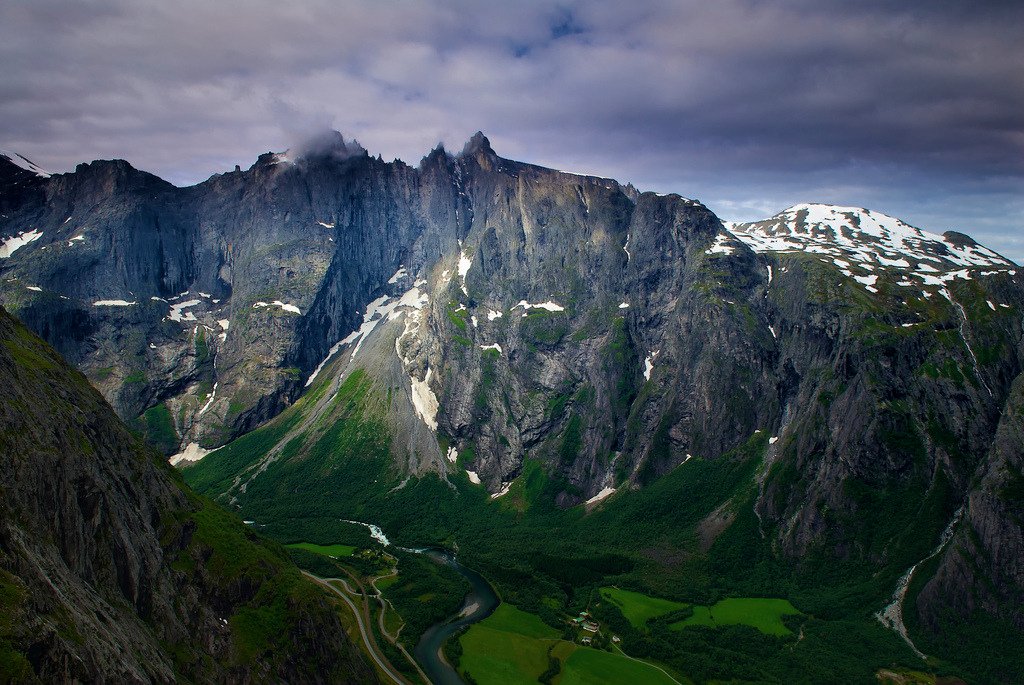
{"x":111,"y":569}
{"x":828,"y":437}
{"x":551,"y":562}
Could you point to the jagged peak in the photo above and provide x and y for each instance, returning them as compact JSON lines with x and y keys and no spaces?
{"x":479,"y":143}
{"x":437,"y":154}
{"x":326,"y":145}
{"x":329,"y":144}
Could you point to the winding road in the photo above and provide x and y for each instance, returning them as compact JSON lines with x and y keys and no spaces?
{"x":368,"y":639}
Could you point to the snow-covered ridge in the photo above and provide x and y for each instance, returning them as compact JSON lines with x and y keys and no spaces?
{"x":866,"y":240}
{"x":24,"y":163}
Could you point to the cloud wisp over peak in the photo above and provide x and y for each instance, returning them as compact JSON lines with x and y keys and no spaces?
{"x":916,"y":109}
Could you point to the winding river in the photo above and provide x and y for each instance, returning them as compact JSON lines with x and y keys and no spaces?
{"x":480,"y":603}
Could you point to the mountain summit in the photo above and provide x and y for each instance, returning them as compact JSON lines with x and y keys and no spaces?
{"x":868,"y":240}
{"x":524,"y":338}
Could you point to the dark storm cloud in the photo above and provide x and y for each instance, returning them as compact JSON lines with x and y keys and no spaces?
{"x":916,"y":109}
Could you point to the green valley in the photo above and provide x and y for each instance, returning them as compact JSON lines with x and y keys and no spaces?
{"x":639,"y":563}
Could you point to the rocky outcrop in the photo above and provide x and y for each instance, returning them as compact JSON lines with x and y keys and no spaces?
{"x":502,"y":311}
{"x":111,"y":571}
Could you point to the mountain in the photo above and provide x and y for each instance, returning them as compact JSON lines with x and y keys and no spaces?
{"x":827,"y":396}
{"x":111,"y":570}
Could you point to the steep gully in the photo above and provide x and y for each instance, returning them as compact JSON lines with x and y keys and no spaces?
{"x":892,"y":615}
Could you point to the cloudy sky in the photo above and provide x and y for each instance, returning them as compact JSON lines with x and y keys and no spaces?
{"x":915,"y":109}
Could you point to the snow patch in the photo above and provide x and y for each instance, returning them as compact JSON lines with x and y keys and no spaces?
{"x":397,"y":276}
{"x":39,"y":290}
{"x":209,"y":402}
{"x":224,"y":323}
{"x":492,"y":346}
{"x":605,"y":492}
{"x":424,"y":401}
{"x":177,"y":309}
{"x":26,"y":164}
{"x":624,"y":305}
{"x":464,"y":265}
{"x":649,"y":364}
{"x":325,"y":224}
{"x":15,"y":243}
{"x":376,"y":312}
{"x":505,"y":487}
{"x":453,"y":454}
{"x":190,"y":454}
{"x":721,"y":245}
{"x":320,"y":367}
{"x":278,"y":303}
{"x":473,"y":477}
{"x":112,"y":303}
{"x":549,"y":306}
{"x":492,"y":315}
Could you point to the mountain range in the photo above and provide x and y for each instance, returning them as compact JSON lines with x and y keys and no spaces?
{"x":508,"y":337}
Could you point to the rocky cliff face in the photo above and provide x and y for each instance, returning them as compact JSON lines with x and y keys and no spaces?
{"x":111,"y":571}
{"x":504,"y":313}
{"x":199,"y":311}
{"x":979,"y":571}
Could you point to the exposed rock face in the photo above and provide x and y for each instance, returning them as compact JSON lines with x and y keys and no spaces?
{"x":981,"y":569}
{"x":511,"y":310}
{"x":111,"y":572}
{"x":161,"y":293}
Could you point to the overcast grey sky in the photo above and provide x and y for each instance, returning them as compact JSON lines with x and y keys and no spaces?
{"x":915,"y":109}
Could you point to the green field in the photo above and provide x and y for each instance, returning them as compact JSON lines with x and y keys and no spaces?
{"x":763,"y":614}
{"x":587,"y":666}
{"x":639,"y":608}
{"x":326,"y":550}
{"x":512,"y":646}
{"x":508,"y":619}
{"x":509,"y":646}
